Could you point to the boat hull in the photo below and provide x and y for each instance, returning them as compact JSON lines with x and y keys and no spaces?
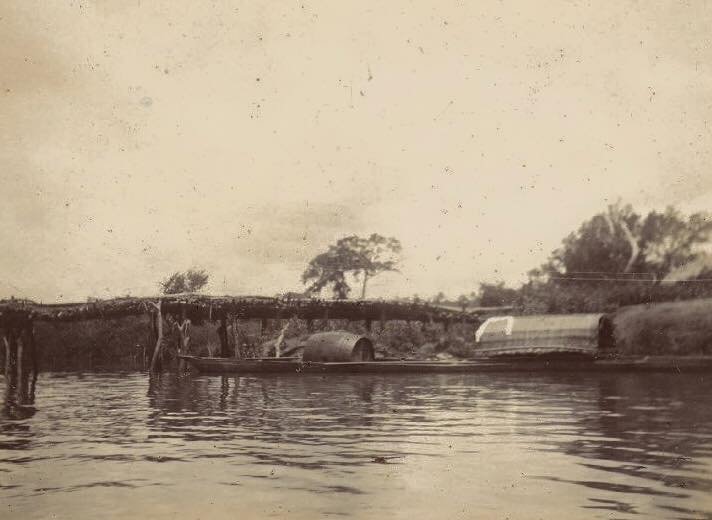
{"x":294,"y":366}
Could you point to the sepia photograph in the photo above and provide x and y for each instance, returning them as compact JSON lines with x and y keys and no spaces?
{"x":357,"y":260}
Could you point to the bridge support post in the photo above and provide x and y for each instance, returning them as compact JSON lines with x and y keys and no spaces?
{"x":159,"y":337}
{"x":34,"y":359}
{"x":10,"y":341}
{"x":222,"y":334}
{"x":20,"y":360}
{"x":236,"y":336}
{"x":183,"y":328}
{"x":20,"y":369}
{"x":6,"y":342}
{"x":32,"y":344}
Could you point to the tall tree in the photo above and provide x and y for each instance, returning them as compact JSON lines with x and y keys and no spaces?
{"x":669,"y":241}
{"x":188,"y":281}
{"x":362,"y":257}
{"x":620,"y":241}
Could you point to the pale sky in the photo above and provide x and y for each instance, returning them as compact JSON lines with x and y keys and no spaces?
{"x":143,"y":137}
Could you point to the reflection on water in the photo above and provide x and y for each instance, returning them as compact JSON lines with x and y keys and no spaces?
{"x":455,"y":446}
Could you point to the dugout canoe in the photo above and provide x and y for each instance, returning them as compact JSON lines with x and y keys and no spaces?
{"x":670,"y":364}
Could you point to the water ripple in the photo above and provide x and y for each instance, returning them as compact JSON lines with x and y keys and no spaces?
{"x":513,"y":445}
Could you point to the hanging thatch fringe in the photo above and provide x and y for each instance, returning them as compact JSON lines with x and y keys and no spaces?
{"x":203,"y":307}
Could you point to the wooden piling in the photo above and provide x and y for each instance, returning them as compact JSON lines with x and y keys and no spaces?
{"x":159,"y":337}
{"x":20,"y":367}
{"x":11,"y":362}
{"x":280,"y":339}
{"x":8,"y":353}
{"x":183,"y":329}
{"x":34,"y":354}
{"x":222,"y":333}
{"x":236,"y":336}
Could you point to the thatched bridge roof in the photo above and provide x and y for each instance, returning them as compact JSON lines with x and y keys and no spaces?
{"x":204,"y":307}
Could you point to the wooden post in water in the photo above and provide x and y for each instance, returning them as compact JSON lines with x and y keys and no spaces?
{"x":159,"y":337}
{"x":236,"y":336}
{"x":280,"y":340}
{"x":11,"y":368}
{"x":32,"y":347}
{"x":20,"y":368}
{"x":7,"y":333}
{"x":183,"y":328}
{"x":150,"y":339}
{"x":222,"y":333}
{"x":34,"y":362}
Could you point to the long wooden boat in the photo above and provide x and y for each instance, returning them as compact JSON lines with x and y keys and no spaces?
{"x":531,"y":344}
{"x":670,"y":364}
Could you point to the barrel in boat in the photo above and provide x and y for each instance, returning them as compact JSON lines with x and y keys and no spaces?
{"x":337,"y":346}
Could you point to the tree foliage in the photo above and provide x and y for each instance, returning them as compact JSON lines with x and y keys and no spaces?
{"x":464,"y":302}
{"x":620,"y":257}
{"x":192,"y":280}
{"x":496,"y":294}
{"x":362,"y":257}
{"x":439,"y":298}
{"x":621,"y":241}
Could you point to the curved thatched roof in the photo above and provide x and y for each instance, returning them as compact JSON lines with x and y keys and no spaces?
{"x":214,"y":307}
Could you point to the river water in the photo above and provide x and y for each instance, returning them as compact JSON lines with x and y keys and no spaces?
{"x":301,"y":446}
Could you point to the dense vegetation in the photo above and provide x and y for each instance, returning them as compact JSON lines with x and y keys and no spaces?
{"x":617,"y":257}
{"x":675,"y":328}
{"x":126,"y":343}
{"x":618,"y":261}
{"x":671,"y":328}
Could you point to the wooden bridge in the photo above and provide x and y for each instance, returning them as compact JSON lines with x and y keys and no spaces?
{"x":182,"y":310}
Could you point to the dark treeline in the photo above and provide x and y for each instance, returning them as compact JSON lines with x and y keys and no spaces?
{"x":616,"y":258}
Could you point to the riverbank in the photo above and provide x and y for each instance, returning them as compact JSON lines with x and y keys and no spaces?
{"x":681,"y":328}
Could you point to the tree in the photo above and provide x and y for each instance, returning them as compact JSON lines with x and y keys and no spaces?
{"x":620,"y":241}
{"x":362,"y":257}
{"x":188,"y":281}
{"x":439,"y":298}
{"x":464,"y":302}
{"x":668,"y":241}
{"x":497,"y":295}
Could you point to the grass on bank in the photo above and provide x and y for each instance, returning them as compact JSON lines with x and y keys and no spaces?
{"x":669,"y":328}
